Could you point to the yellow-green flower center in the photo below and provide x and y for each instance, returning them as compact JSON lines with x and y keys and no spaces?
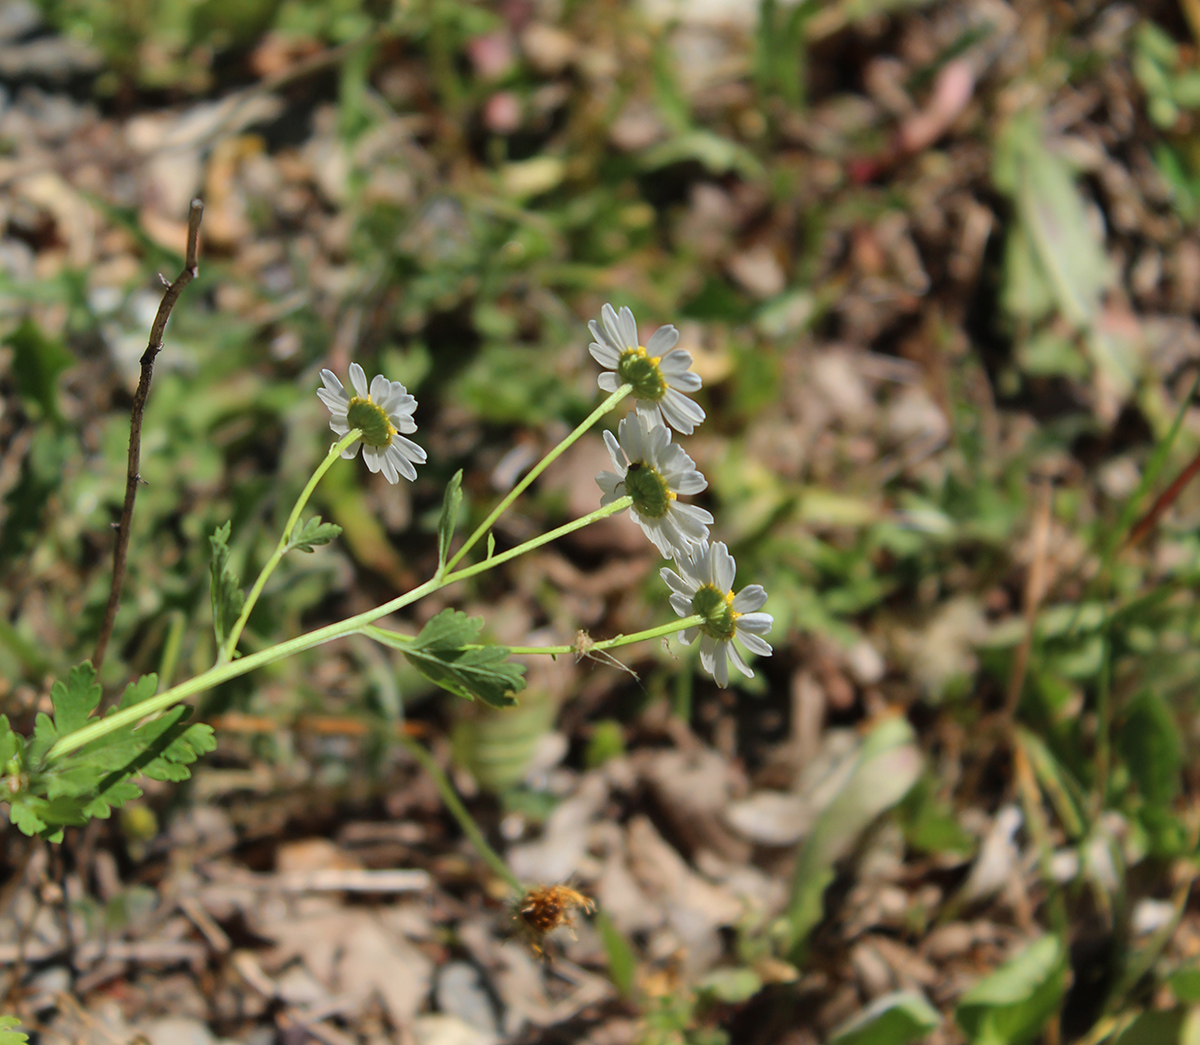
{"x":716,"y":607}
{"x":638,"y":368}
{"x":365,"y":415}
{"x":651,"y":496}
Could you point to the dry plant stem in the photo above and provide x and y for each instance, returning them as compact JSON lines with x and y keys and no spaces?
{"x":460,"y":813}
{"x":132,"y":478}
{"x":1035,"y":589}
{"x":97,"y":728}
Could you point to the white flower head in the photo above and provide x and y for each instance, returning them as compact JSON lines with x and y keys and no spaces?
{"x":654,"y":471}
{"x":704,"y":585}
{"x":658,"y":371}
{"x":381,"y":412}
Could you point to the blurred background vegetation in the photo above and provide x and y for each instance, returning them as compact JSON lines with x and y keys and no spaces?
{"x":938,"y":267}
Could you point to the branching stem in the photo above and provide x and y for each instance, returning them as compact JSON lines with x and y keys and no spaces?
{"x":132,"y":477}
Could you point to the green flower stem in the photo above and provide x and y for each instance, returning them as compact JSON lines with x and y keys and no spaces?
{"x":613,"y":643}
{"x":235,"y":668}
{"x":537,"y":470}
{"x":235,"y":633}
{"x":618,"y":505}
{"x":460,"y":813}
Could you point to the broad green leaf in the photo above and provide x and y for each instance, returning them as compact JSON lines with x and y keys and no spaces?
{"x":731,"y":986}
{"x":1149,"y":740}
{"x":1012,"y":1005}
{"x":1159,"y":1027}
{"x":449,"y":518}
{"x":894,"y":1019}
{"x":448,"y":653}
{"x":1185,"y":984}
{"x":311,"y":534}
{"x":887,"y":766}
{"x":227,"y":595}
{"x":9,"y":1032}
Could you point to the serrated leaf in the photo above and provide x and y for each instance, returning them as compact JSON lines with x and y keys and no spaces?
{"x":448,"y":654}
{"x":449,"y":517}
{"x":9,"y":1034}
{"x":1012,"y":1005}
{"x":312,"y":534}
{"x":898,"y":1018}
{"x":24,"y":817}
{"x":227,"y":596}
{"x":76,"y":699}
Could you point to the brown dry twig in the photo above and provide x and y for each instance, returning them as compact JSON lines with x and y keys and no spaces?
{"x":132,"y":478}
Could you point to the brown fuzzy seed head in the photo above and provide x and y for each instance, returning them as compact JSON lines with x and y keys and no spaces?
{"x":546,"y":907}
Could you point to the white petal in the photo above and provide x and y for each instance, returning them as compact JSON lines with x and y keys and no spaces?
{"x":675,"y":363}
{"x":608,"y":315}
{"x":685,"y":382}
{"x":400,"y":463}
{"x":633,"y":437}
{"x":337,"y":402}
{"x":689,"y":483}
{"x":609,"y":483}
{"x":682,"y":604}
{"x":333,"y":384}
{"x":409,"y":449}
{"x":604,"y":354}
{"x":662,"y":340}
{"x":753,"y":643}
{"x":692,"y":521}
{"x":359,"y":380}
{"x":724,"y":569}
{"x":688,"y":635}
{"x":388,"y":466}
{"x":608,"y":381}
{"x":750,"y":598}
{"x":628,"y":327}
{"x":736,"y":659}
{"x":351,"y":451}
{"x":381,"y":388}
{"x":758,"y":623}
{"x":655,"y":530}
{"x":616,"y":453}
{"x":656,"y":438}
{"x":675,"y":582}
{"x":339,"y":426}
{"x":680,"y":412}
{"x":721,"y":665}
{"x":373,"y":455}
{"x":708,"y":651}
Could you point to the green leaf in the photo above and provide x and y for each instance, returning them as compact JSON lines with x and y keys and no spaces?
{"x":37,"y":362}
{"x":449,"y":518}
{"x":310,"y":535}
{"x":448,"y":654}
{"x":894,"y":1019}
{"x":1149,"y":741}
{"x":1012,"y":1005}
{"x":1185,"y":984}
{"x":887,"y":765}
{"x":1159,"y":1027}
{"x":731,"y":986}
{"x":227,"y":595}
{"x":622,"y":962}
{"x":75,"y":700}
{"x":9,"y":1034}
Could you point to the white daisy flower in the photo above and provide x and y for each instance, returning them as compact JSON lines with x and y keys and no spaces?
{"x":654,"y":471}
{"x":659,"y":372}
{"x":704,"y":585}
{"x":381,"y":413}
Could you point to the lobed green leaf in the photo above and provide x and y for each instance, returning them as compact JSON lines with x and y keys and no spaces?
{"x":227,"y":595}
{"x":311,"y":534}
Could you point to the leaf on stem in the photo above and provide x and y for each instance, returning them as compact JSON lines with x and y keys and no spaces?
{"x":227,"y":595}
{"x":448,"y":653}
{"x":311,"y":535}
{"x":9,"y":1034}
{"x":449,"y":518}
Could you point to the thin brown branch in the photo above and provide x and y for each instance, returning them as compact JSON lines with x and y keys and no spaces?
{"x":1164,"y":501}
{"x":132,"y":478}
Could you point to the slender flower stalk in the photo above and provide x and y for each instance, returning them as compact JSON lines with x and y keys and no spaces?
{"x":351,"y":625}
{"x":235,"y":633}
{"x":617,"y":395}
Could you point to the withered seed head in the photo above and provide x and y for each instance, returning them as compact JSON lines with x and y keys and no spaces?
{"x":546,"y":907}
